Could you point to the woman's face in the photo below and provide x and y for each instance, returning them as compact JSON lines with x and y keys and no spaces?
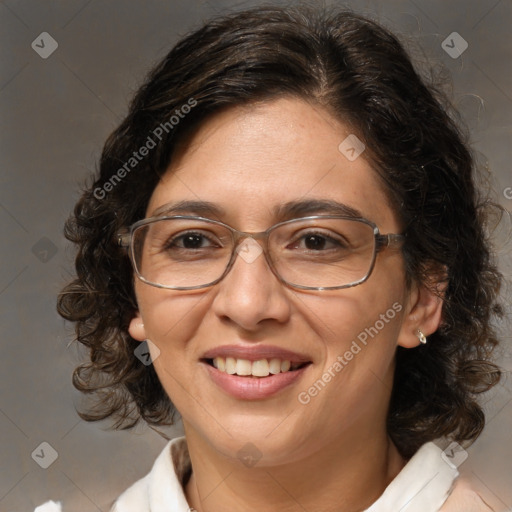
{"x":247,"y":163}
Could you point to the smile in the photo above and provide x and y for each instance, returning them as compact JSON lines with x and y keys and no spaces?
{"x":254,"y":387}
{"x":254,"y":372}
{"x":259,"y":368}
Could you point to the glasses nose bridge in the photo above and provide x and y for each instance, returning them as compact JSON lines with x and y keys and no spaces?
{"x":240,"y":236}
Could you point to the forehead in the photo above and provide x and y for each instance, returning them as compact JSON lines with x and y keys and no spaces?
{"x":251,"y":160}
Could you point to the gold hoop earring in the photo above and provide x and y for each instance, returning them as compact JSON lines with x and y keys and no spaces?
{"x":421,"y":337}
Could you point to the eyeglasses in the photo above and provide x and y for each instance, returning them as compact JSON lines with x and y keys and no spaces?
{"x":322,"y":252}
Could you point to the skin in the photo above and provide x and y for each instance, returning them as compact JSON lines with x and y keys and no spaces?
{"x":334,"y":452}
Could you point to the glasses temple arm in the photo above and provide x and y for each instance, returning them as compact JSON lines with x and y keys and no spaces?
{"x":123,"y":239}
{"x":390,"y":240}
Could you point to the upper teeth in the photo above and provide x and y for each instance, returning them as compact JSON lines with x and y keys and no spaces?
{"x":260,"y":368}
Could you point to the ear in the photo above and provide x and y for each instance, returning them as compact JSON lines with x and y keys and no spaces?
{"x":136,"y":328}
{"x":424,"y":311}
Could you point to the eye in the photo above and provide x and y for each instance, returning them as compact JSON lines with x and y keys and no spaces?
{"x":191,"y":240}
{"x":318,"y":241}
{"x":315,"y":242}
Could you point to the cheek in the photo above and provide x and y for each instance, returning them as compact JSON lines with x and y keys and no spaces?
{"x":357,"y":335}
{"x":357,"y":314}
{"x":170,"y":315}
{"x":171,"y":320}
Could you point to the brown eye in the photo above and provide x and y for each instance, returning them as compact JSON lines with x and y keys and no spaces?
{"x":317,"y":242}
{"x":191,"y":240}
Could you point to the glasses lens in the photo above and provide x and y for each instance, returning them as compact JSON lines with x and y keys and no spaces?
{"x":181,"y":253}
{"x":323,"y":253}
{"x":315,"y":253}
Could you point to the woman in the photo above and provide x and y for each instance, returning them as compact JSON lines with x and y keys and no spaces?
{"x":286,"y":223}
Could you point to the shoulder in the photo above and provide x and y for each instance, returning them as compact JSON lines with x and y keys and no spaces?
{"x":464,"y":498}
{"x":49,"y":506}
{"x":161,"y":489}
{"x":134,"y":498}
{"x":423,"y":483}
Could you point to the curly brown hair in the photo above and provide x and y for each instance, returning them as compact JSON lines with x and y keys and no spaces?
{"x":358,"y":71}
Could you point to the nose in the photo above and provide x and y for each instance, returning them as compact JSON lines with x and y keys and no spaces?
{"x":250,"y":295}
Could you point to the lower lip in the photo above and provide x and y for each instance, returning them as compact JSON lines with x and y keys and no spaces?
{"x":253,"y":388}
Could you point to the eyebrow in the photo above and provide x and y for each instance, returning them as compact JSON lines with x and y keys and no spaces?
{"x":305,"y":207}
{"x":201,"y":208}
{"x":286,"y":211}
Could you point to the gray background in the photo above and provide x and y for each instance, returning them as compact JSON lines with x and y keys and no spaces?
{"x":55,"y":114}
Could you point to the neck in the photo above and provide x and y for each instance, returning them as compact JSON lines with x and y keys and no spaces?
{"x":349,"y":475}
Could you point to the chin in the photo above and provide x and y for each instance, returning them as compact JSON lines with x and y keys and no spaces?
{"x":256,"y":439}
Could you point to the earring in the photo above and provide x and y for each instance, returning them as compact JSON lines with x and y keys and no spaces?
{"x":421,"y":337}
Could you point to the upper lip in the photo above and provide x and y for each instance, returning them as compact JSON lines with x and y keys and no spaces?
{"x":255,"y":353}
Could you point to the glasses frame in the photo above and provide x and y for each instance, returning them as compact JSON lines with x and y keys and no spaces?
{"x":381,"y":241}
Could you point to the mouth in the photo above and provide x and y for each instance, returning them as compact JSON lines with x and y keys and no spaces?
{"x":260,"y":368}
{"x":254,"y":372}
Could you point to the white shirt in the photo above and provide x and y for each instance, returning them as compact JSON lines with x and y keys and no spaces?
{"x":423,"y":485}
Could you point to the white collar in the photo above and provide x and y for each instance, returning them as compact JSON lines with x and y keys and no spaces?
{"x":422,"y":486}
